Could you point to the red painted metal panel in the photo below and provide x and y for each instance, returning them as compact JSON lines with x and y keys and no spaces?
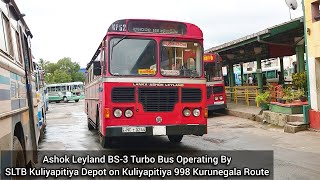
{"x":280,"y":51}
{"x":314,"y":118}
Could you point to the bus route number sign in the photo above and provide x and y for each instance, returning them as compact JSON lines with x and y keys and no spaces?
{"x":118,"y":26}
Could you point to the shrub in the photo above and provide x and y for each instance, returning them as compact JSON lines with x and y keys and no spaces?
{"x":263,"y":98}
{"x":299,"y":80}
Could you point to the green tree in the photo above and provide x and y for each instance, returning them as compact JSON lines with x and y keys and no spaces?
{"x":43,"y":63}
{"x":63,"y":71}
{"x":49,"y":78}
{"x":77,"y":76}
{"x":51,"y":67}
{"x":61,"y":76}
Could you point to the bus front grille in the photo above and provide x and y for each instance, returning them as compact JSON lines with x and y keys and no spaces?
{"x":191,"y":95}
{"x":158,"y":99}
{"x":123,"y":94}
{"x":217,"y":89}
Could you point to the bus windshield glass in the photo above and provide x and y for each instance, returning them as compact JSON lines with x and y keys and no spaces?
{"x":181,"y":59}
{"x":132,"y":57}
{"x":213,"y":71}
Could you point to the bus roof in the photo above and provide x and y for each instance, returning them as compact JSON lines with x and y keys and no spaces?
{"x":155,"y":27}
{"x":17,"y":15}
{"x":68,"y":83}
{"x":151,"y":27}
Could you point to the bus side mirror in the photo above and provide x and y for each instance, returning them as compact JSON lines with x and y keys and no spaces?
{"x":96,"y":68}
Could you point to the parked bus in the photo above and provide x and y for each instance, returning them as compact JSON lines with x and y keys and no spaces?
{"x":271,"y":73}
{"x":20,"y":129}
{"x":146,"y":79}
{"x":65,"y":92}
{"x":40,"y":94}
{"x":216,"y":92}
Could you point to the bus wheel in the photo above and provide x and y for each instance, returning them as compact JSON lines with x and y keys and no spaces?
{"x":175,"y":138}
{"x":106,"y":142}
{"x":77,"y":100}
{"x":90,"y":127}
{"x":18,"y":156}
{"x":65,"y":99}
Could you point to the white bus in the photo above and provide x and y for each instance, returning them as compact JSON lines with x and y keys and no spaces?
{"x":72,"y":91}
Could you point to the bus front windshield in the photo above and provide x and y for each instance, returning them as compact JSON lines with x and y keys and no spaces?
{"x":181,"y":59}
{"x":132,"y":56}
{"x":213,"y":71}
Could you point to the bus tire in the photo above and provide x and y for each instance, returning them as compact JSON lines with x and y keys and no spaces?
{"x":106,"y":142}
{"x":90,"y":127}
{"x":65,"y":99}
{"x":175,"y":138}
{"x":77,"y":100}
{"x":18,"y":155}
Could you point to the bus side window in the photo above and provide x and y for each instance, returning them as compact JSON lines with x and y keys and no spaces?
{"x":7,"y":32}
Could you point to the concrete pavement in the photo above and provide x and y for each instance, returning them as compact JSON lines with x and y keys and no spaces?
{"x":296,"y":156}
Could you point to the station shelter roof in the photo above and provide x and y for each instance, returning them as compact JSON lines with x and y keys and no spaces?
{"x":276,"y":41}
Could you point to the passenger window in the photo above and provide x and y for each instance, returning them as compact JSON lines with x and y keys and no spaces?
{"x":4,"y":24}
{"x":18,"y":41}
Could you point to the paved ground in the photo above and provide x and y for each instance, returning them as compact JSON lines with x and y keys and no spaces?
{"x":296,"y":156}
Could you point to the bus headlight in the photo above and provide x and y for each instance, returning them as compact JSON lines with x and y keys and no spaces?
{"x":128,"y":113}
{"x":196,"y":112}
{"x":221,"y":98}
{"x":117,"y":113}
{"x":186,"y":112}
{"x":216,"y":98}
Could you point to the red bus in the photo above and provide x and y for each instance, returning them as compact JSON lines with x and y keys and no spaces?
{"x":146,"y":79}
{"x":216,"y":93}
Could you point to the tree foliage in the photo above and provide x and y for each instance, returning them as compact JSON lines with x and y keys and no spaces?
{"x":63,"y":71}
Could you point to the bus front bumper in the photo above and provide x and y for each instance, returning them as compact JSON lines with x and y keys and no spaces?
{"x":216,"y":107}
{"x":120,"y":131}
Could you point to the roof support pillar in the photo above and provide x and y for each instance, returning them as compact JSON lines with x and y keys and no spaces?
{"x":281,"y":75}
{"x":257,"y":51}
{"x":300,"y":58}
{"x":241,"y":66}
{"x":259,"y":74}
{"x":231,"y":74}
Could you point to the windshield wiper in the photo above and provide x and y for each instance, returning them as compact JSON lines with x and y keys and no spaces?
{"x":114,"y":44}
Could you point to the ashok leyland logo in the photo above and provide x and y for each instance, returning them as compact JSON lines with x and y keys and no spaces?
{"x":158,"y":119}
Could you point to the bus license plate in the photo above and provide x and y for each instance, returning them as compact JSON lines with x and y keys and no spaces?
{"x":219,"y":102}
{"x":133,"y":129}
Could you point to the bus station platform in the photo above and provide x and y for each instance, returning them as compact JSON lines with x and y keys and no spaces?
{"x":291,"y":123}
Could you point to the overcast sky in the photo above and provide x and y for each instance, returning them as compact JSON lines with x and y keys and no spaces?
{"x":74,"y":28}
